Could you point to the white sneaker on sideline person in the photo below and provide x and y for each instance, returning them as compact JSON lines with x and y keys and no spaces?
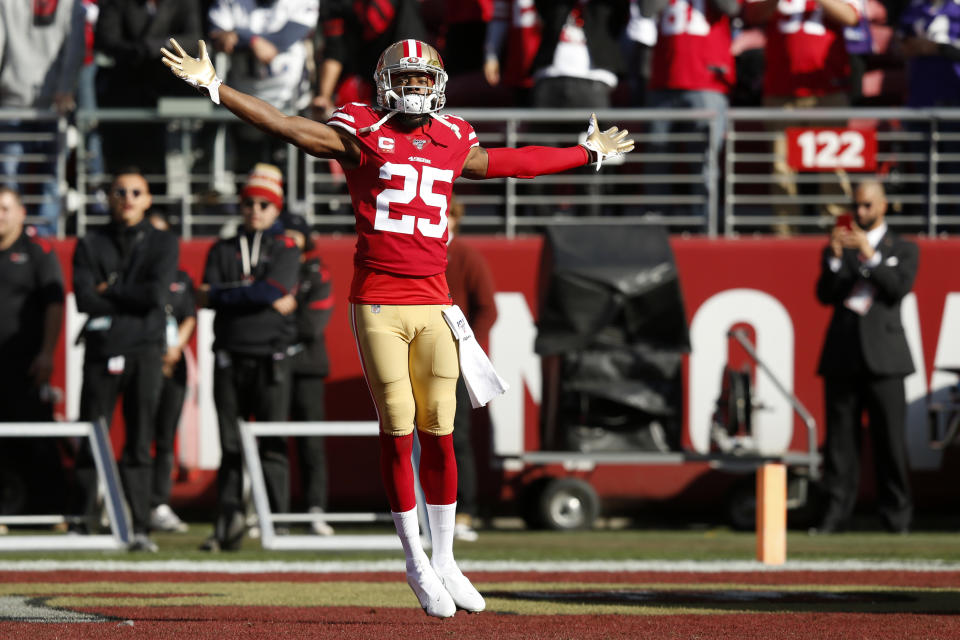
{"x":430,"y":592}
{"x":465,"y":533}
{"x":142,"y":542}
{"x":463,"y":529}
{"x":162,"y":518}
{"x":320,"y":527}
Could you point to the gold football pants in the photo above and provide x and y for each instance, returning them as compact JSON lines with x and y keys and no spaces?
{"x":410,"y":362}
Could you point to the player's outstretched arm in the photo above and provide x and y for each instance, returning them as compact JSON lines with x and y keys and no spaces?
{"x":529,"y":162}
{"x":313,"y":137}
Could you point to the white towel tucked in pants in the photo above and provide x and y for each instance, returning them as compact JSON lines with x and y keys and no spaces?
{"x":483,"y":383}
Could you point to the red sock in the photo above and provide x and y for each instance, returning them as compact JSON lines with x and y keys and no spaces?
{"x":396,"y":471}
{"x":438,"y":468}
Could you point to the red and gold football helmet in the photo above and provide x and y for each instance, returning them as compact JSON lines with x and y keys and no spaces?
{"x":403,"y":57}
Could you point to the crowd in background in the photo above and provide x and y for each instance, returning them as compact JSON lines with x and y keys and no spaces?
{"x":309,"y":55}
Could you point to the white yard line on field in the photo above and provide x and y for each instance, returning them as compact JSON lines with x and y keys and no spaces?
{"x":573,"y":566}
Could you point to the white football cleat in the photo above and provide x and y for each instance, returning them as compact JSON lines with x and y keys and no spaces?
{"x":464,"y":594}
{"x":430,"y":591}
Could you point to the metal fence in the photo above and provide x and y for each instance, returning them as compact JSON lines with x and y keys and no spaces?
{"x":693,"y":171}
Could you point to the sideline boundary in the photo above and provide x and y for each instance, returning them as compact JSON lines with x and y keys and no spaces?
{"x":574,"y":566}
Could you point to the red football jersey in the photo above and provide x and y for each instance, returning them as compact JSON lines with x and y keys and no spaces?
{"x":401,"y":190}
{"x":805,"y":55}
{"x":693,"y":49}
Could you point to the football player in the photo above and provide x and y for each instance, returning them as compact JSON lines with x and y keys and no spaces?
{"x":401,"y":157}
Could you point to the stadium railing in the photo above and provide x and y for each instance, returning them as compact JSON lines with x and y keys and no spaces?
{"x":680,"y":180}
{"x":107,"y":475}
{"x":249,"y":431}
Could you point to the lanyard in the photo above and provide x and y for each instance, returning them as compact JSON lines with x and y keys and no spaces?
{"x":250,"y":259}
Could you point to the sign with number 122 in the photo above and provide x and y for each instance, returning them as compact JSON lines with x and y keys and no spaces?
{"x":829,"y":149}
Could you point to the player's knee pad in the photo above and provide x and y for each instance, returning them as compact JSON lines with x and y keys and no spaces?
{"x":436,"y":386}
{"x":435,"y":415}
{"x":396,"y":413}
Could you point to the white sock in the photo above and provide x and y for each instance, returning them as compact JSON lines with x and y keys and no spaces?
{"x":442,"y":522}
{"x":408,"y":528}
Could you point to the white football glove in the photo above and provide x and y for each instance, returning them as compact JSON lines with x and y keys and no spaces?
{"x":197,"y":72}
{"x":606,"y":145}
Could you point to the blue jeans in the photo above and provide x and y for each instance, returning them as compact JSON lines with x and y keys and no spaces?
{"x":87,"y":99}
{"x":660,"y":131}
{"x":45,"y":206}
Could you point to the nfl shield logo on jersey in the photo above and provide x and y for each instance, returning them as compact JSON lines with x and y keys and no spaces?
{"x":419,"y":143}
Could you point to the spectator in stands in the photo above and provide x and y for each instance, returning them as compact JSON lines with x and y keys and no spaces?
{"x":930,"y":34}
{"x":692,"y":68}
{"x":930,"y":41}
{"x":859,"y":43}
{"x":866,"y":270}
{"x":807,"y":66}
{"x":354,"y":35}
{"x":465,"y":24}
{"x":637,"y":45}
{"x":250,"y":280}
{"x":513,"y":34}
{"x":41,"y":49}
{"x":121,"y":278}
{"x":579,"y":55}
{"x":181,"y":321}
{"x":87,"y":99}
{"x":462,"y":33}
{"x":577,"y":63}
{"x":128,"y":34}
{"x":309,"y":366}
{"x":31,"y":292}
{"x":266,"y":42}
{"x":471,"y":288}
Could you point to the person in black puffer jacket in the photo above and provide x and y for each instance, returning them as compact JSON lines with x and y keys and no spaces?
{"x":250,"y":281}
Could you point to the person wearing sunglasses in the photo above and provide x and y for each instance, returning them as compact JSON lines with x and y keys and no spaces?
{"x":250,"y":280}
{"x":866,"y":270}
{"x":121,"y":275}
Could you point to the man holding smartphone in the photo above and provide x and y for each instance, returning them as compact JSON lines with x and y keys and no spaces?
{"x":866,"y":270}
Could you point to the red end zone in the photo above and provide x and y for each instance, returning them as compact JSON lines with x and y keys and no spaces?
{"x":521,"y":604}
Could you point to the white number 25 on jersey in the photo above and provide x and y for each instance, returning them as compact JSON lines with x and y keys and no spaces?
{"x":425,"y":178}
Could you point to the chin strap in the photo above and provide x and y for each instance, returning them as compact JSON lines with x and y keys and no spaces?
{"x":379,"y":123}
{"x":436,"y":116}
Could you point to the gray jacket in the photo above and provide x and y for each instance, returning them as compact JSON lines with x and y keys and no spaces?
{"x":37,"y":62}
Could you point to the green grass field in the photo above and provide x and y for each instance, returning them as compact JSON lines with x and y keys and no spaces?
{"x":623,"y":544}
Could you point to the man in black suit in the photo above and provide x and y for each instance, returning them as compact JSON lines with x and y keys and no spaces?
{"x":866,"y":270}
